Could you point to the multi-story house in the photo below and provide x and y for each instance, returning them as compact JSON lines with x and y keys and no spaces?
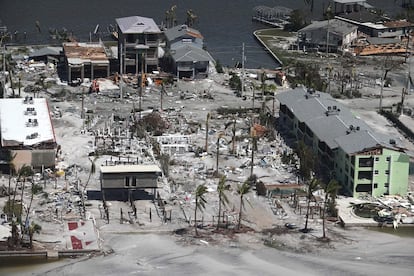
{"x":186,"y":56}
{"x":362,"y":161}
{"x":138,"y":44}
{"x":335,"y":34}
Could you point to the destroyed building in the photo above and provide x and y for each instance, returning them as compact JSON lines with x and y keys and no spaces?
{"x":27,"y":132}
{"x":85,"y":60}
{"x":362,"y":161}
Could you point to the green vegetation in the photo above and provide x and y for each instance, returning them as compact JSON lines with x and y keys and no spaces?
{"x":200,"y":202}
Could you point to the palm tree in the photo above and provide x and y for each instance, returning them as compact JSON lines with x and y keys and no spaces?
{"x":91,"y":172}
{"x":220,"y":136}
{"x":309,"y":3}
{"x":233,"y":133}
{"x":22,"y":174}
{"x":33,"y":228}
{"x":27,"y":171}
{"x":330,"y":190}
{"x":306,"y":160}
{"x":312,"y":187}
{"x":242,"y":190}
{"x":170,"y":17}
{"x":200,"y":203}
{"x":37,"y":23}
{"x":223,"y":199}
{"x":34,"y":190}
{"x":191,"y":18}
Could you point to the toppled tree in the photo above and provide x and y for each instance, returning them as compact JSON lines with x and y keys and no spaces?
{"x":152,"y":123}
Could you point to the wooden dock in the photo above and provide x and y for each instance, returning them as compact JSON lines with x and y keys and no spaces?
{"x":275,"y":24}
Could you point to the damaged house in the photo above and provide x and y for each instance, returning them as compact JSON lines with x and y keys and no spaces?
{"x":127,"y":181}
{"x":27,"y":133}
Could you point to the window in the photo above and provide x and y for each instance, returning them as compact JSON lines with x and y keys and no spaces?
{"x":387,"y":172}
{"x":134,"y":182}
{"x":388,"y":158}
{"x":127,"y":181}
{"x":363,"y":188}
{"x":375,"y":185}
{"x":386,"y":185}
{"x":376,"y":159}
{"x":376,"y":172}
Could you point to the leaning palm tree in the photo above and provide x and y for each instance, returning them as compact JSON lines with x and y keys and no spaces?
{"x":92,"y":171}
{"x":200,"y":203}
{"x":22,"y":174}
{"x":312,"y":187}
{"x":242,"y":190}
{"x":34,"y":190}
{"x":223,"y":199}
{"x":330,"y":190}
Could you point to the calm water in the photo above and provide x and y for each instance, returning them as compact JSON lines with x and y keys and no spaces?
{"x":225,"y":24}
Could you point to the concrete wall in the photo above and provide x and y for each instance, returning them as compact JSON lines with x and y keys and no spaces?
{"x":35,"y":158}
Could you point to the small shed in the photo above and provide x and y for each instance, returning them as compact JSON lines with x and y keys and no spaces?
{"x":121,"y":182}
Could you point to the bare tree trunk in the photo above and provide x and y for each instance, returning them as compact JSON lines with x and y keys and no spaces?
{"x":219,"y":213}
{"x":324,"y":215}
{"x":240,"y":211}
{"x":195,"y":216}
{"x":307,"y":215}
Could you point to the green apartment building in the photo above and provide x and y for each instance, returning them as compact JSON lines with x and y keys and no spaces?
{"x":362,"y":161}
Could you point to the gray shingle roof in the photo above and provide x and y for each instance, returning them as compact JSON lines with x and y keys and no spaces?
{"x":357,"y":141}
{"x":181,"y":31}
{"x":335,"y":26}
{"x":47,"y":51}
{"x":137,"y":25}
{"x":189,"y":52}
{"x":331,"y":121}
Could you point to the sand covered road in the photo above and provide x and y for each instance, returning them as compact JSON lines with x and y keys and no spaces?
{"x":360,"y":253}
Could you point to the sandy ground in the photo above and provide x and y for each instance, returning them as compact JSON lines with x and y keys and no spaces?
{"x":152,"y":248}
{"x":359,"y":253}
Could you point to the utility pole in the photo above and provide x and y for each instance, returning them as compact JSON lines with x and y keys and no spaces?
{"x":381,"y":92}
{"x":121,"y":70}
{"x":383,"y":76}
{"x":242,"y":77}
{"x":328,"y":15}
{"x":141,"y":84}
{"x":4,"y":70}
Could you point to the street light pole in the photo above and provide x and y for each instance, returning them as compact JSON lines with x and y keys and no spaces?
{"x":218,"y":153}
{"x":328,"y":15}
